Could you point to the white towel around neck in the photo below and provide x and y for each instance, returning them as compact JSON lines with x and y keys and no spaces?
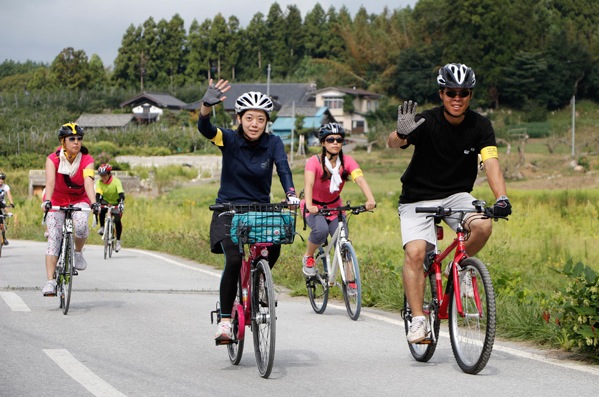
{"x":335,"y":177}
{"x":66,"y":167}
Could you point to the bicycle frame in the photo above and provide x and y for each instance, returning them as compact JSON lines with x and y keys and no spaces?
{"x":460,"y":254}
{"x":337,"y":240}
{"x":243,"y":309}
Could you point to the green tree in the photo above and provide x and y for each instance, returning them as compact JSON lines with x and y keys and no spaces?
{"x":198,"y":64}
{"x":127,"y":70}
{"x":71,"y":69}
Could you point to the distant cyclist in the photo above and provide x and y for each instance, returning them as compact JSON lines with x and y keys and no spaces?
{"x":69,"y":180}
{"x":249,"y":155}
{"x":109,"y":189}
{"x":10,"y":203}
{"x":447,"y":143}
{"x":324,"y":177}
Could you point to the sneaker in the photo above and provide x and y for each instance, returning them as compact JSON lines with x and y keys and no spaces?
{"x":466,"y":285}
{"x":5,"y":241}
{"x":117,"y":248}
{"x":101,"y":231}
{"x":224,"y":331}
{"x":418,"y":330}
{"x":49,"y":289}
{"x":80,"y":263}
{"x":309,"y":269}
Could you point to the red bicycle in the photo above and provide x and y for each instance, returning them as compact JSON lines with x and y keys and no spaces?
{"x":468,"y":301}
{"x":256,"y":227}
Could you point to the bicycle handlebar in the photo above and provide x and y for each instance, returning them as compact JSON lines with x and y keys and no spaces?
{"x":355,"y":210}
{"x":478,"y":208}
{"x":258,"y":207}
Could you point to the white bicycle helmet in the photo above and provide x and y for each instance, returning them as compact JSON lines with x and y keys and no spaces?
{"x":255,"y":101}
{"x":456,"y":75}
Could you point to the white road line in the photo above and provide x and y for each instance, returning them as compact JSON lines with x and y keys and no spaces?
{"x":92,"y":382}
{"x":14,"y":301}
{"x":174,"y":262}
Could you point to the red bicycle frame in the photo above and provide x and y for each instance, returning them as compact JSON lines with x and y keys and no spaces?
{"x":243,"y":310}
{"x":460,"y":254}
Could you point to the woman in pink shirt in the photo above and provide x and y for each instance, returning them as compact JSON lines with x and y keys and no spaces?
{"x":69,"y":180}
{"x":324,"y":177}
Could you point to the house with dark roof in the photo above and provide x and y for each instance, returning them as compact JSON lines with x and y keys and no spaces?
{"x":282,"y":94}
{"x":149,"y":106}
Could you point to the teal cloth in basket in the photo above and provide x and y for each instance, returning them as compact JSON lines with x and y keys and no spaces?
{"x":263,"y":227}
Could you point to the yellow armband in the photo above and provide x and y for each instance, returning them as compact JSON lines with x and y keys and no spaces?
{"x":488,"y":153}
{"x":356,"y":174}
{"x":89,"y":172}
{"x":218,"y":138}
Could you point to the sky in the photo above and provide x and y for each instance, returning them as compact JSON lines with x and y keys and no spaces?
{"x":38,"y":30}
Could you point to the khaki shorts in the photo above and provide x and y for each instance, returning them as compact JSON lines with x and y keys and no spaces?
{"x":416,"y":226}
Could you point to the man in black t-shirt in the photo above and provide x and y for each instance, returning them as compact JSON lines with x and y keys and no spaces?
{"x":447,"y":143}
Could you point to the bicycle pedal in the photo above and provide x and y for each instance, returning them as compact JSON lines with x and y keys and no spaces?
{"x":224,"y":342}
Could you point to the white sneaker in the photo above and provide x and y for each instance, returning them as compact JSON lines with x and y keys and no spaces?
{"x":224,"y":331}
{"x":466,"y":285}
{"x":49,"y":289}
{"x":308,"y":268}
{"x":101,"y":231}
{"x":117,"y":248}
{"x":418,"y":330}
{"x":80,"y":263}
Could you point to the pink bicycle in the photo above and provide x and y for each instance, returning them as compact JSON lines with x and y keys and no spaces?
{"x":256,"y":227}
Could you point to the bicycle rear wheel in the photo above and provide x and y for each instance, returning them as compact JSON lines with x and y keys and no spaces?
{"x":235,"y":349}
{"x":423,"y":351}
{"x":106,"y":237}
{"x":264,"y":317}
{"x":472,"y":335}
{"x":67,"y":276}
{"x":112,"y":240}
{"x":351,"y":285}
{"x":318,"y":285}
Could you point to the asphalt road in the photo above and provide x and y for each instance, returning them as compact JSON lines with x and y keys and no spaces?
{"x":139,"y":325}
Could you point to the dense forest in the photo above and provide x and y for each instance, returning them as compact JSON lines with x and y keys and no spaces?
{"x":529,"y":55}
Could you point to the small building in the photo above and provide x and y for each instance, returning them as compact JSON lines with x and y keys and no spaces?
{"x":149,"y":106}
{"x":362,"y":102}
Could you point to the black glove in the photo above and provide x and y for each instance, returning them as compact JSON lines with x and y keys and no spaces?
{"x":47,"y":205}
{"x":96,"y":208}
{"x":502,"y":207}
{"x":405,"y":119}
{"x":212,"y":96}
{"x":11,"y":206}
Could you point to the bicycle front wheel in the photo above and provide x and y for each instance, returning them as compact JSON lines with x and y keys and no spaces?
{"x":473,"y":333}
{"x":235,"y":349}
{"x":352,"y":287}
{"x":69,"y":263}
{"x":424,"y":350}
{"x":264,"y":317}
{"x":112,"y":239}
{"x":106,"y":237}
{"x":318,"y":285}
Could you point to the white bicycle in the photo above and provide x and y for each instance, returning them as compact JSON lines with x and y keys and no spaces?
{"x":344,"y":261}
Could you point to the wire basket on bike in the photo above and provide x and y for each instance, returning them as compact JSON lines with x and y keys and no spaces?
{"x":263,"y":223}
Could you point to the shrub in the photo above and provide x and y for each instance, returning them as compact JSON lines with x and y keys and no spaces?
{"x":577,"y":308}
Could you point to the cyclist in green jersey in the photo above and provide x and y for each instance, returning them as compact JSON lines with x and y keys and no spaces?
{"x":109,"y":190}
